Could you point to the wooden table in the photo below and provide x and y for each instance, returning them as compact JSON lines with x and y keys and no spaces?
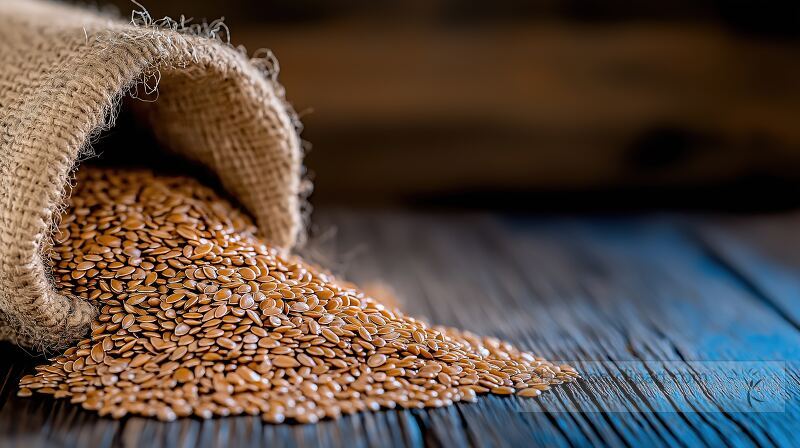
{"x":685,"y":329}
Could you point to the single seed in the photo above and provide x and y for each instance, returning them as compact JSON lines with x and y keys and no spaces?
{"x":109,"y":240}
{"x":226,"y":343}
{"x":246,"y":302}
{"x":183,"y":375}
{"x":150,"y":278}
{"x":376,"y":360}
{"x":247,"y":274}
{"x":97,"y":353}
{"x":203,"y":249}
{"x":166,"y":414}
{"x":126,"y":270}
{"x":300,"y":307}
{"x":187,"y":233}
{"x":133,"y":224}
{"x":220,"y":311}
{"x":140,"y":360}
{"x":209,"y":272}
{"x":85,"y":266}
{"x":330,"y":335}
{"x":182,"y":329}
{"x":529,"y":392}
{"x":364,"y":334}
{"x":502,"y":390}
{"x":285,"y":361}
{"x":172,"y":298}
{"x":248,"y":374}
{"x":305,"y":360}
{"x":222,"y":294}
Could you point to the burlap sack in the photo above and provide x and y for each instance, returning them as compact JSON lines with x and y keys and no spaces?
{"x":62,"y":72}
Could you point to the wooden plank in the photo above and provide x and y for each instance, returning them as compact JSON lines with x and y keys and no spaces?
{"x":764,"y":253}
{"x":695,"y":311}
{"x":663,"y":331}
{"x":611,"y":287}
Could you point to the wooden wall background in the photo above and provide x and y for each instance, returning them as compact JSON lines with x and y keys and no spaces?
{"x":404,"y":100}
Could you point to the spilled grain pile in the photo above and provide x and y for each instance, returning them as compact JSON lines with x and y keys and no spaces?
{"x":197,"y":316}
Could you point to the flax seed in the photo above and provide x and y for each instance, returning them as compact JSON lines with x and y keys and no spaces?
{"x":181,"y":329}
{"x":529,"y":392}
{"x":246,"y":302}
{"x":183,"y":375}
{"x":285,"y":361}
{"x":197,"y":316}
{"x":85,"y":266}
{"x":376,"y":360}
{"x":98,"y":354}
{"x":328,"y":334}
{"x":226,"y":343}
{"x":220,"y":311}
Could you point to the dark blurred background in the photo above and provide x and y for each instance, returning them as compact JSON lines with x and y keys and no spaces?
{"x":536,"y":105}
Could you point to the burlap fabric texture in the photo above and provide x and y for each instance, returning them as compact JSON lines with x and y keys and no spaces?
{"x":63,"y":71}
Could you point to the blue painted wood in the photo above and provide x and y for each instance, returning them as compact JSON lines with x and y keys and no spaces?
{"x":764,"y":253}
{"x":664,"y":298}
{"x":666,"y":324}
{"x":643,"y":284}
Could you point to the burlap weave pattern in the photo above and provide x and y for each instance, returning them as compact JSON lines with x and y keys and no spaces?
{"x":62,"y":71}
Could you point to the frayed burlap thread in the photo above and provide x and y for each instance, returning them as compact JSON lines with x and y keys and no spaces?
{"x":63,"y":71}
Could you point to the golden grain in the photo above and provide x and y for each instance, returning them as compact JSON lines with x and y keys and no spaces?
{"x":197,"y":316}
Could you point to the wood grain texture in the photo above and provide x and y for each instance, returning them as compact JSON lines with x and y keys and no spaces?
{"x":534,"y":105}
{"x":668,"y":318}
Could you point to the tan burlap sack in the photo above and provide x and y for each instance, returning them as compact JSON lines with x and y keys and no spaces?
{"x":63,"y":71}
